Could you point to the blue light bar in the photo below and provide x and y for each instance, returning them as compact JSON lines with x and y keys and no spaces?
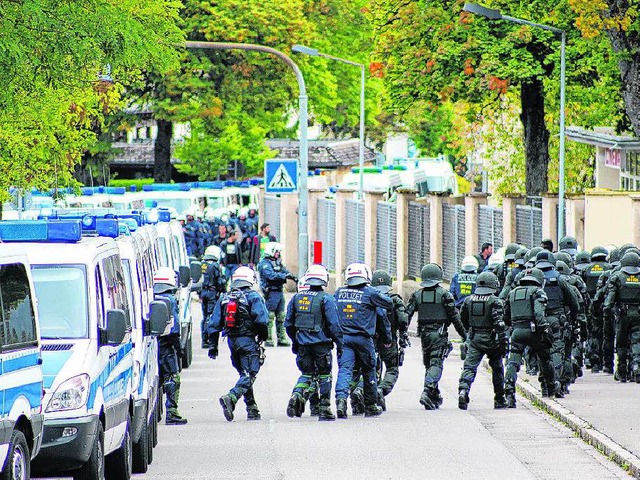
{"x":164,"y":215}
{"x":134,"y":216}
{"x":131,"y":223}
{"x":123,"y":228}
{"x":64,"y":231}
{"x":166,"y":187}
{"x":40,"y":231}
{"x":107,"y":227}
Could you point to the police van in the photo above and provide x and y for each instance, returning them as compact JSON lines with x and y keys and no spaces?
{"x":21,"y":371}
{"x":87,"y":350}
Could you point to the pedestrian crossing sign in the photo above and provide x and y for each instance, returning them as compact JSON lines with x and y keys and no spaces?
{"x":281,"y":175}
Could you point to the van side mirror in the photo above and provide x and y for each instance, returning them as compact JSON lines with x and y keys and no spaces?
{"x":116,"y":327}
{"x":196,"y":271}
{"x":185,"y":275}
{"x":158,"y":318}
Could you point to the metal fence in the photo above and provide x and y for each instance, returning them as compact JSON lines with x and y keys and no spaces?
{"x":386,"y":237}
{"x":354,"y":249}
{"x":489,"y":226}
{"x":453,"y":238}
{"x":528,"y":225}
{"x":419,"y":237}
{"x":272,"y":214}
{"x":326,"y":231}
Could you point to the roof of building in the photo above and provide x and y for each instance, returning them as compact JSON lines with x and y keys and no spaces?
{"x":324,"y":153}
{"x":603,"y":137}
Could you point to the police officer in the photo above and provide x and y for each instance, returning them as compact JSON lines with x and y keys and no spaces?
{"x":463,"y":283}
{"x":231,"y":249}
{"x":482,"y":314}
{"x":397,"y":316}
{"x":509,"y":262}
{"x":608,"y":320}
{"x":213,"y":284}
{"x":623,"y":291}
{"x":357,"y":303}
{"x":169,"y":346}
{"x":273,"y":276}
{"x":241,"y":316}
{"x":568,"y":245}
{"x":525,"y":313}
{"x":519,"y":259}
{"x":436,"y":310}
{"x":313,"y":326}
{"x":193,"y":236}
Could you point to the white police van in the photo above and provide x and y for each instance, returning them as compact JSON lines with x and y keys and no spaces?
{"x":20,"y":367}
{"x":87,"y":352}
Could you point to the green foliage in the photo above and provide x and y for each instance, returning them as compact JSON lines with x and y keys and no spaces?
{"x":127,"y":183}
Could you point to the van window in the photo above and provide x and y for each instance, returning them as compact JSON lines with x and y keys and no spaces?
{"x":164,"y":257}
{"x":99,"y":297}
{"x":18,"y":319}
{"x":62,"y":300}
{"x":126,"y":267}
{"x":115,"y":288}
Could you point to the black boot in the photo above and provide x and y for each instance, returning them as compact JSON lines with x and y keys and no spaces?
{"x":463,"y":399}
{"x":621,"y":374}
{"x":510,"y":396}
{"x":228,"y":404}
{"x":314,"y":405}
{"x":595,"y":367}
{"x":295,"y":408}
{"x":324,"y":411}
{"x":499,"y":402}
{"x":174,"y":419}
{"x":382,"y":403}
{"x":341,"y":407}
{"x":558,"y":390}
{"x":357,"y":402}
{"x":428,"y":399}
{"x":253,"y":413}
{"x":372,"y":410}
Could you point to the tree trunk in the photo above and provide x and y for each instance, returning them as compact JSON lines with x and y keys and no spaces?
{"x":536,"y":136}
{"x":162,"y":152}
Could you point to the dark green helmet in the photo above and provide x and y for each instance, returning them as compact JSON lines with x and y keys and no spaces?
{"x":630,"y":263}
{"x":568,"y":244}
{"x":564,"y":257}
{"x":487,"y":283}
{"x":382,"y":281}
{"x":510,"y":252}
{"x":599,"y":254}
{"x":545,"y":259}
{"x":624,"y":248}
{"x":583,"y":259}
{"x":521,"y":256}
{"x":614,"y":257}
{"x":431,"y":275}
{"x":533,"y":253}
{"x":634,"y":250}
{"x":563,"y":268}
{"x":535,"y":276}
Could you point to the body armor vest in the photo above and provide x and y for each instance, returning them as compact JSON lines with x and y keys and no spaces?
{"x":553,"y":290}
{"x":592,"y":274}
{"x":430,"y":307}
{"x":629,"y":293}
{"x":309,"y":314}
{"x":242,"y":317}
{"x":521,"y":303}
{"x":466,"y":283}
{"x":480,"y":315}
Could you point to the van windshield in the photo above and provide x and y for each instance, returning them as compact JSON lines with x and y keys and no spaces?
{"x":61,"y":291}
{"x":181,"y":205}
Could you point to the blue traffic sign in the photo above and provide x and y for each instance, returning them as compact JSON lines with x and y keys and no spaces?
{"x":281,"y":175}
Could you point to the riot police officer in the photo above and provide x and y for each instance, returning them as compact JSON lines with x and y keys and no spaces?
{"x":241,"y":316}
{"x":313,"y":327}
{"x":482,"y":314}
{"x":213,"y":284}
{"x":169,"y":345}
{"x":193,"y":236}
{"x":519,"y":259}
{"x":608,"y":320}
{"x":357,"y":304}
{"x":273,"y":277}
{"x":568,"y":244}
{"x":232,"y":254}
{"x":525,"y":313}
{"x":436,"y":310}
{"x":463,"y":283}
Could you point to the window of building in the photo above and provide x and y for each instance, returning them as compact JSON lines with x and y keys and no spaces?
{"x":630,"y":171}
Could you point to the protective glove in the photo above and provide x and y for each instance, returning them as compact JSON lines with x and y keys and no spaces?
{"x":213,"y":353}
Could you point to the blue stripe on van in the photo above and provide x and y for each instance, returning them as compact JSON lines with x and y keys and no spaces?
{"x":25,"y":361}
{"x":52,"y":363}
{"x":32,"y":392}
{"x":113,"y":389}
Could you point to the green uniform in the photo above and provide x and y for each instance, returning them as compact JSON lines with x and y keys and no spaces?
{"x":591,"y":276}
{"x":389,"y":356}
{"x":575,"y":342}
{"x":608,"y":320}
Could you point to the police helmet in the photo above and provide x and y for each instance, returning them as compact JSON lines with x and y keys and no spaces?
{"x":431,"y":275}
{"x":303,"y":286}
{"x":634,"y":250}
{"x":563,"y":257}
{"x":614,"y":257}
{"x":568,"y":244}
{"x":598,"y":254}
{"x":382,"y":281}
{"x":243,"y":277}
{"x":357,"y":274}
{"x":563,"y":268}
{"x":624,"y":248}
{"x":545,"y":259}
{"x":272,"y":248}
{"x":583,"y":259}
{"x":531,"y":258}
{"x":213,"y":252}
{"x":469,"y":264}
{"x":487,"y":283}
{"x":535,"y":276}
{"x":317,"y":276}
{"x":630,"y":263}
{"x":510,"y":252}
{"x":164,"y":280}
{"x":521,"y":256}
{"x":496,"y":260}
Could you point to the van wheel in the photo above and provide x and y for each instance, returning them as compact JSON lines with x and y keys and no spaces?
{"x":18,"y":463}
{"x":156,"y":419}
{"x":94,"y":468}
{"x":119,"y":463}
{"x":141,"y":449}
{"x":152,"y":426}
{"x":187,"y":356}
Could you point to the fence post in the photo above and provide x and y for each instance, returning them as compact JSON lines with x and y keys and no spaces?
{"x":550,"y":216}
{"x":289,"y":229}
{"x":404,"y":196}
{"x":471,"y":202}
{"x":341,"y":230}
{"x":371,"y":199}
{"x":435,"y":228}
{"x":509,"y":218}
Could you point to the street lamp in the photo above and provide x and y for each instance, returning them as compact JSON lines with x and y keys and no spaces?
{"x":315,"y":53}
{"x":492,"y":14}
{"x":303,"y":194}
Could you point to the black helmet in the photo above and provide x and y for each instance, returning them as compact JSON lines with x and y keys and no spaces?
{"x":568,"y":244}
{"x":521,"y":256}
{"x":564,"y":257}
{"x":583,"y":259}
{"x":382,"y":281}
{"x":487,"y":283}
{"x":630,"y":263}
{"x":599,"y":254}
{"x":614,"y":257}
{"x":547,"y":244}
{"x":510,"y":252}
{"x":533,"y":277}
{"x":431,"y":275}
{"x":563,"y":268}
{"x":545,"y":259}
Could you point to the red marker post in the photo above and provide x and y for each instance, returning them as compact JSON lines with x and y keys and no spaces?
{"x":317,"y":252}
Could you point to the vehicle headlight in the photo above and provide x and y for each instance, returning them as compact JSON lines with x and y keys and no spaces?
{"x":70,"y":395}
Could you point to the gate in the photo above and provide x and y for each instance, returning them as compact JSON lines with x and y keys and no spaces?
{"x":354,"y":249}
{"x":419,"y":237}
{"x":489,"y":226}
{"x":528,"y":225}
{"x":326,"y":231}
{"x":453,"y":238}
{"x":386,"y":238}
{"x":271,"y":215}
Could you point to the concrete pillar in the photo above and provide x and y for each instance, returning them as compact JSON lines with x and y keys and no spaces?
{"x":341,"y":231}
{"x":404,"y":196}
{"x":435,"y":228}
{"x":550,"y":217}
{"x":509,"y":218}
{"x":575,"y":218}
{"x":289,"y":230}
{"x":635,"y":219}
{"x":315,"y":194}
{"x":471,"y":202}
{"x":261,"y":204}
{"x":371,"y":200}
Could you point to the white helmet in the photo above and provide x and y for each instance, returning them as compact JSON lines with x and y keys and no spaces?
{"x":303,"y":286}
{"x":243,"y":212}
{"x":357,"y":274}
{"x":243,"y":277}
{"x":495,"y":259}
{"x":164,"y":280}
{"x":233,"y":208}
{"x":213,"y":252}
{"x":469,"y":264}
{"x":272,"y":248}
{"x":317,"y":275}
